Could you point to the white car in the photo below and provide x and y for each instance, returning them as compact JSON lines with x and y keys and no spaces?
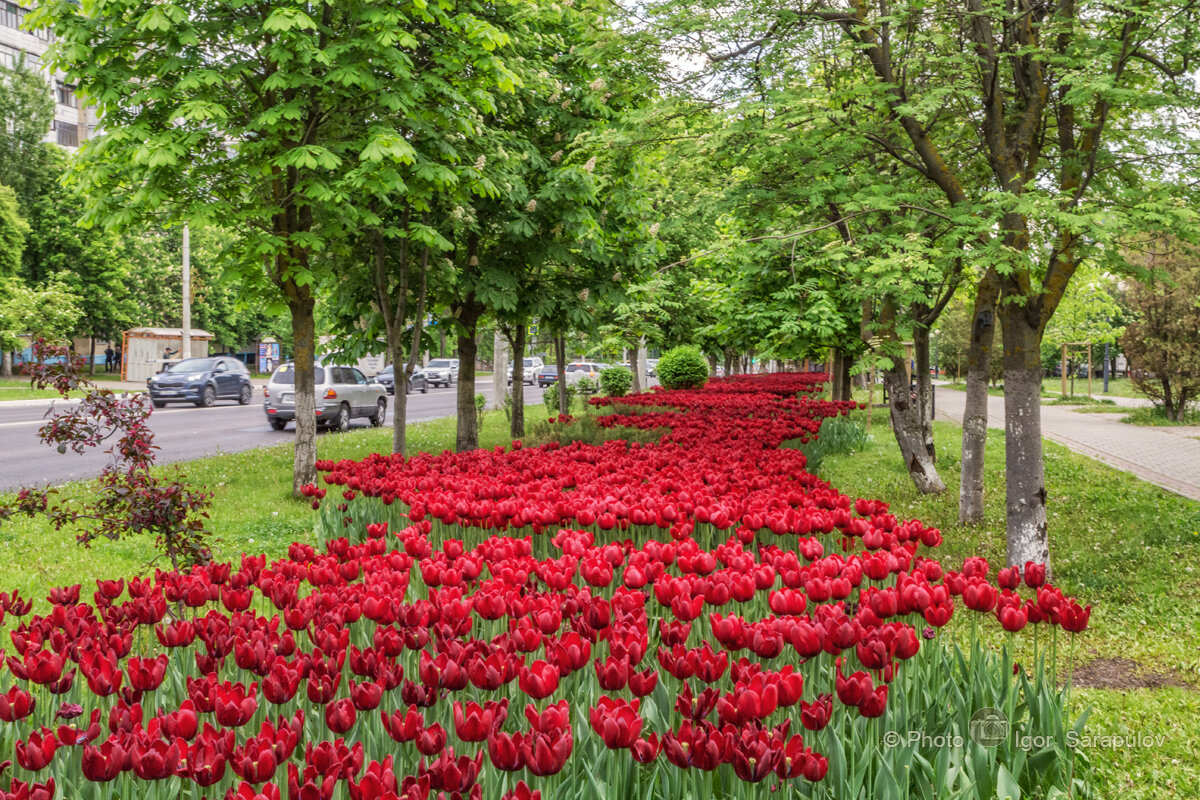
{"x":340,"y":393}
{"x":441,"y":371}
{"x":578,"y":370}
{"x":532,"y":367}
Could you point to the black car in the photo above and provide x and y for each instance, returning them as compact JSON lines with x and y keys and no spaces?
{"x":418,"y":382}
{"x":547,"y":375}
{"x":202,"y":381}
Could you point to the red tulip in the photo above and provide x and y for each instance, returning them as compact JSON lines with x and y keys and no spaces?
{"x":146,"y":675}
{"x":16,"y":704}
{"x":104,"y":763}
{"x":36,"y":752}
{"x":431,"y":740}
{"x":617,"y":722}
{"x":235,"y":704}
{"x":403,"y":727}
{"x":538,"y":680}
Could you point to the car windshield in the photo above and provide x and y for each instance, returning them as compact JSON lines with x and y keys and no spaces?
{"x":287,"y":375}
{"x":440,"y":363}
{"x":192,"y":365}
{"x":386,"y":372}
{"x":529,"y":362}
{"x":579,"y":368}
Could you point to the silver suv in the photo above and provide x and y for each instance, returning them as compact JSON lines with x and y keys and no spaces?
{"x":341,"y":392}
{"x":441,"y":371}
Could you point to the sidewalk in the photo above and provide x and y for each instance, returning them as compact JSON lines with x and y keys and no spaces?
{"x":1167,"y":457}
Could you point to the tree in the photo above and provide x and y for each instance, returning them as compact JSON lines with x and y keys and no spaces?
{"x":89,"y":261}
{"x":48,"y":312}
{"x":271,"y":119}
{"x":26,"y":111}
{"x":1048,"y":129}
{"x":1163,"y":341}
{"x":561,"y":222}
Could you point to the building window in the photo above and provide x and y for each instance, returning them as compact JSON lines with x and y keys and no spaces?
{"x":68,"y":133}
{"x":66,"y":95}
{"x":11,"y":15}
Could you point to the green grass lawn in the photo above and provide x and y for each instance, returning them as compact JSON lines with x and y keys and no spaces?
{"x":253,"y":510}
{"x":19,"y":389}
{"x":1129,"y":548}
{"x":1117,"y":387}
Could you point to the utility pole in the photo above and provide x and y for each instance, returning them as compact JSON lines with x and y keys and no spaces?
{"x":187,"y":293}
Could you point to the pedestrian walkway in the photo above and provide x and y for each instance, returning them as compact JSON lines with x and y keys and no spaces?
{"x":1167,"y":457}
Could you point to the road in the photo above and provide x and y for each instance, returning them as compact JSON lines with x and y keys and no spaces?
{"x":181,"y":432}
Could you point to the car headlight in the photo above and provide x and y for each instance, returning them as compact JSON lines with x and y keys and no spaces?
{"x":195,"y":378}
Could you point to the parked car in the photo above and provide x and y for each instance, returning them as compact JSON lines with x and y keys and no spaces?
{"x":418,"y":381}
{"x":342,"y":393}
{"x":547,"y":375}
{"x":579,"y":370}
{"x":532,"y":367}
{"x":201,"y":381}
{"x":441,"y":371}
{"x":651,"y":367}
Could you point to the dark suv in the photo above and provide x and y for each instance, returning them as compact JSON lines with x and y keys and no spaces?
{"x":201,"y":381}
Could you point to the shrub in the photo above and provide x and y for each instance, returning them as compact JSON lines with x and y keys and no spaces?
{"x":616,"y":381}
{"x":550,"y":398}
{"x":682,"y":367}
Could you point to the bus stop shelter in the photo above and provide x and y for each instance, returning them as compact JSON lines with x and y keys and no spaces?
{"x":145,"y":350}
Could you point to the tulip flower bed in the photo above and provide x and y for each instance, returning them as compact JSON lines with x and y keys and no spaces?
{"x":697,"y":617}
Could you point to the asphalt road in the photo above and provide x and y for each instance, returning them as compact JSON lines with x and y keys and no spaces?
{"x":182,"y":432}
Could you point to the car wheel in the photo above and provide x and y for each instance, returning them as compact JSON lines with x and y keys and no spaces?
{"x":277,"y":424}
{"x":380,"y":414}
{"x":207,"y":396}
{"x":160,"y":403}
{"x":244,"y":395}
{"x":424,"y":388}
{"x":342,"y":423}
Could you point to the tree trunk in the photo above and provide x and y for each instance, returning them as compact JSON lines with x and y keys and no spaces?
{"x":845,"y":384}
{"x":1168,"y":399}
{"x":834,"y":373}
{"x":728,"y":365}
{"x":517,"y":425}
{"x":468,"y":423}
{"x":301,"y":304}
{"x":906,"y":425}
{"x":6,"y":364}
{"x":637,"y":366}
{"x":924,"y":387}
{"x":975,"y":413}
{"x":560,"y":355}
{"x":500,"y":368}
{"x":407,"y":366}
{"x":1024,"y":471}
{"x":92,"y":355}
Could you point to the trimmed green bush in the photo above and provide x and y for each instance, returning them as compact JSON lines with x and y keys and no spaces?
{"x":616,"y":381}
{"x":682,"y":367}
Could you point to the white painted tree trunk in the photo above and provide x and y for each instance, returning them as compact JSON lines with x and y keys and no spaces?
{"x":499,"y":370}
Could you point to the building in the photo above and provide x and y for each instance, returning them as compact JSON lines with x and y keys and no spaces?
{"x":74,"y":121}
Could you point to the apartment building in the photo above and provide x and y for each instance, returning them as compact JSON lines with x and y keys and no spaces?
{"x":74,"y":120}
